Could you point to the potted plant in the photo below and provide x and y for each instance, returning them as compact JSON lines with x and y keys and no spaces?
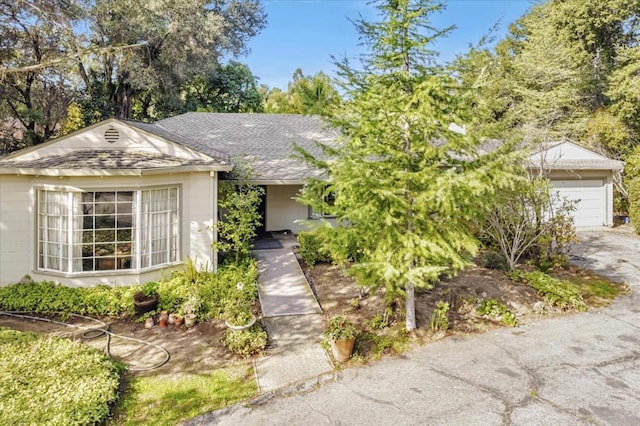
{"x":146,"y":300}
{"x":190,"y":309}
{"x":238,"y":316}
{"x":341,"y":334}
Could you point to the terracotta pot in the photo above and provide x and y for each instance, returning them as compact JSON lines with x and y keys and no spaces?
{"x":177,"y":321}
{"x":163,"y":319}
{"x":148,"y":323}
{"x":172,"y":318}
{"x":342,"y":349}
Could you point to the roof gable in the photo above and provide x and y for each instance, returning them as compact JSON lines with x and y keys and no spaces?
{"x":109,"y":145}
{"x":567,"y":155}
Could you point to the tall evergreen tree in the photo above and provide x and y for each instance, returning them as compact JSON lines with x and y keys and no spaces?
{"x":405,"y":181}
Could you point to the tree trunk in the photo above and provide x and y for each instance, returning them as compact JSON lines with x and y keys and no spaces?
{"x":410,"y":304}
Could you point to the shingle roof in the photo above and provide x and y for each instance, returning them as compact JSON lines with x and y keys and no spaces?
{"x":266,"y":139}
{"x":105,"y":160}
{"x":561,"y":164}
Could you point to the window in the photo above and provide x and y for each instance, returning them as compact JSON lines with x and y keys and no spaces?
{"x":329,"y":200}
{"x":107,"y":230}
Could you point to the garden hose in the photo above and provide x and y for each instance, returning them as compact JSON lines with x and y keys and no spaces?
{"x":93,"y":333}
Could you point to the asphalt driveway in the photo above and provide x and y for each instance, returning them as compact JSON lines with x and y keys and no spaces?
{"x":578,"y":369}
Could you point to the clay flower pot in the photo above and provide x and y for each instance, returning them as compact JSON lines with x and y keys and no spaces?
{"x":342,"y":349}
{"x":190,"y":320}
{"x":178,"y":320}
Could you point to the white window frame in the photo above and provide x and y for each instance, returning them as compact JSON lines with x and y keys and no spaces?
{"x":168,"y":211}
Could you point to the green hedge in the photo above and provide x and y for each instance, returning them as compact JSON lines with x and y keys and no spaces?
{"x":214,"y":291}
{"x":54,"y":381}
{"x":634,"y":203}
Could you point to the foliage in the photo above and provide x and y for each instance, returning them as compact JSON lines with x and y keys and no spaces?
{"x":634,"y":203}
{"x":54,"y":381}
{"x":492,"y":260}
{"x":560,"y":293}
{"x":239,"y":204}
{"x":311,"y":249}
{"x":48,"y":297}
{"x":246,"y":342}
{"x":305,"y":95}
{"x":531,"y":220}
{"x":213,"y":292}
{"x":439,"y":320}
{"x":170,"y":400}
{"x":497,"y":310}
{"x":56,"y":53}
{"x":339,"y":328}
{"x":228,"y":88}
{"x":150,"y":289}
{"x":406,"y":183}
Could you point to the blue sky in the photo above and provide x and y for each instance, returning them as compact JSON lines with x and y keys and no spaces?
{"x":305,"y":33}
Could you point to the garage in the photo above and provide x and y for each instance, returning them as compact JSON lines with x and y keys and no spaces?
{"x":581,"y":175}
{"x":590,"y":197}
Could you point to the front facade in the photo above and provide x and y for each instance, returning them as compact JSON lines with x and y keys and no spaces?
{"x":120,"y":202}
{"x":108,"y":205}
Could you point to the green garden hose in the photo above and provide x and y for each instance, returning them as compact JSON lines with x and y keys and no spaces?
{"x":93,"y":333}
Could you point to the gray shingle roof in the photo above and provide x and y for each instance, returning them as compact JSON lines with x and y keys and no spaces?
{"x":561,"y":164}
{"x":105,"y":160}
{"x":266,"y":139}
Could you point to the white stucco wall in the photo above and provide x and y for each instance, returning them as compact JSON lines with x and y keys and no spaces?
{"x":283,"y":211}
{"x":18,"y":234}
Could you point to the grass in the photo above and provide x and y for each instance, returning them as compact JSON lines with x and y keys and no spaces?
{"x":167,"y":400}
{"x":596,"y":290}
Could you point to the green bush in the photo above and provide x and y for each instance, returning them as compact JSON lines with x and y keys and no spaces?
{"x":246,"y":342}
{"x":634,"y":203}
{"x":439,"y":320}
{"x":54,"y":381}
{"x":560,"y":293}
{"x":493,"y":260}
{"x":49,"y":297}
{"x":311,"y":248}
{"x":495,"y":309}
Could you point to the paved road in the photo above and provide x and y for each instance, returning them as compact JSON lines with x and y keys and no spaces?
{"x":579,"y":369}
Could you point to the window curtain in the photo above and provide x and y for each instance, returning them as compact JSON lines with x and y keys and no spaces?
{"x":159,"y":226}
{"x":51,"y":218}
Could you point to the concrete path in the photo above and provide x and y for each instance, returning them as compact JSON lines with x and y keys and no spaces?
{"x":293,"y":318}
{"x":573,"y":370}
{"x":282,"y":286}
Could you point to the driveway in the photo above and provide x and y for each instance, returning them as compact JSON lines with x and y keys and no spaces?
{"x":578,"y":369}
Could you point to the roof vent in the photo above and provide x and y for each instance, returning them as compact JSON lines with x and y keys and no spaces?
{"x":111,"y":135}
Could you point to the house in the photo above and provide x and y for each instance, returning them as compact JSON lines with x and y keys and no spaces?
{"x":123,"y":202}
{"x":581,"y":175}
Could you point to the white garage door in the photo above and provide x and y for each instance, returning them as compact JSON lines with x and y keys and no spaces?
{"x":591,"y":200}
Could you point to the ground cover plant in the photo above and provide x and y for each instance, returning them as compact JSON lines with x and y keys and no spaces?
{"x":54,"y":381}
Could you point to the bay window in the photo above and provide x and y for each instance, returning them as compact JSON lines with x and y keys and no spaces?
{"x":107,"y":230}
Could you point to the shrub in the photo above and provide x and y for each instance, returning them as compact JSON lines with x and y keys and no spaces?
{"x":493,"y":260}
{"x":339,"y":327}
{"x":311,"y":249}
{"x":634,"y":203}
{"x":439,"y":320}
{"x":246,"y":342}
{"x":497,"y":310}
{"x":54,"y":381}
{"x":48,"y":297}
{"x":560,"y":293}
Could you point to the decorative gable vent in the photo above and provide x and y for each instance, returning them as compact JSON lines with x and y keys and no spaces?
{"x":111,"y":135}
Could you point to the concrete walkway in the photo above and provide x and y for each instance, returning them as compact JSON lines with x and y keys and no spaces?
{"x":293,"y":318}
{"x":580,"y":369}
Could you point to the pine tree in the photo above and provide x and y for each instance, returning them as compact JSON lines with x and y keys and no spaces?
{"x":409,"y":186}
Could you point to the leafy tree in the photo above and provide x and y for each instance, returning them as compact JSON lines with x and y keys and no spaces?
{"x":408,"y":185}
{"x":305,"y":95}
{"x":238,"y":202}
{"x":230,"y":88}
{"x":33,"y":102}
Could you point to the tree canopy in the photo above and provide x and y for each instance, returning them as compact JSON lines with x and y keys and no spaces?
{"x":400,"y":165}
{"x":128,"y":59}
